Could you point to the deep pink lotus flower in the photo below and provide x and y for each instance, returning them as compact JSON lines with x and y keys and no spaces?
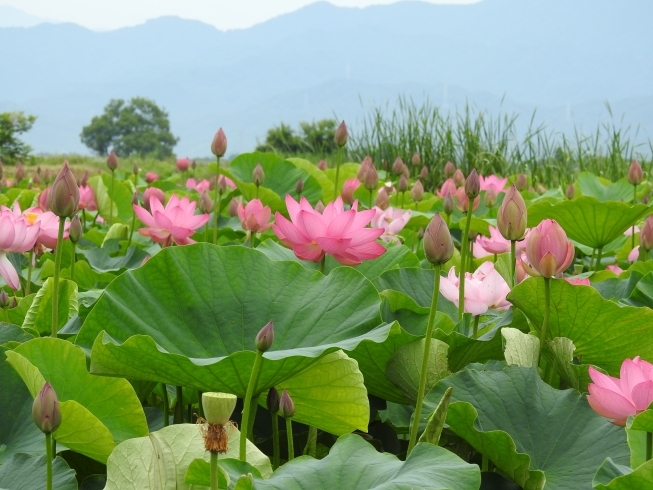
{"x":614,"y":268}
{"x":87,"y":198}
{"x":448,"y":187}
{"x":348,"y":189}
{"x":254,"y":216}
{"x":391,"y":220}
{"x":335,"y":231}
{"x":174,"y":223}
{"x":493,"y":182}
{"x":548,"y":250}
{"x":17,"y":234}
{"x":151,"y":177}
{"x":618,"y":398}
{"x":484,"y":289}
{"x":578,"y":281}
{"x":47,"y":221}
{"x":201,"y":186}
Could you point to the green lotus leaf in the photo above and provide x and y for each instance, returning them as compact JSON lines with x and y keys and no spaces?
{"x":587,"y":220}
{"x":122,"y":198}
{"x":13,"y":333}
{"x":328,"y":190}
{"x":642,"y":293}
{"x":97,"y":412}
{"x":437,"y":419}
{"x":604,"y":190}
{"x":25,"y":472}
{"x":229,"y":470}
{"x":16,"y":316}
{"x":520,"y":348}
{"x":26,"y":198}
{"x":615,"y":288}
{"x":613,"y":476}
{"x":101,"y":259}
{"x":189,"y":317}
{"x":538,"y":436}
{"x":603,"y":332}
{"x":39,"y":315}
{"x":161,"y":460}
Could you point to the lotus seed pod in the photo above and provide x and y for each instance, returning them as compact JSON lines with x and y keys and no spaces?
{"x":265,"y":337}
{"x":258,"y":176}
{"x":438,"y":246}
{"x":512,"y":218}
{"x":75,"y":231}
{"x":218,"y":407}
{"x":45,"y":410}
{"x":635,"y":174}
{"x":472,"y":185}
{"x":112,"y":161}
{"x":286,"y":405}
{"x":64,"y":195}
{"x":341,"y":135}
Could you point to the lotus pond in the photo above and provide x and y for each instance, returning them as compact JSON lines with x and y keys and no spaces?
{"x":290,"y":326}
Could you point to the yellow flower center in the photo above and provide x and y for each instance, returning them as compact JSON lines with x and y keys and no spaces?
{"x":31,"y":218}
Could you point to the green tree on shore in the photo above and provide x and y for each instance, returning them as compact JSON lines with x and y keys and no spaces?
{"x":11,"y":125}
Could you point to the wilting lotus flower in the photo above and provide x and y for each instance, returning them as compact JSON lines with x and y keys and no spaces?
{"x":463,"y":200}
{"x":548,"y":250}
{"x":86,"y":198}
{"x":348,"y":189}
{"x":447,"y":188}
{"x":174,"y":223}
{"x":618,"y":398}
{"x":335,"y":231}
{"x":493,"y":182}
{"x":18,"y":235}
{"x":484,"y":289}
{"x":254,"y":216}
{"x":614,"y":268}
{"x":391,"y":220}
{"x":151,"y":177}
{"x":578,"y":281}
{"x":201,"y":186}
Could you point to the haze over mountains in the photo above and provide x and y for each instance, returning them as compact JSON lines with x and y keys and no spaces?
{"x":565,"y":58}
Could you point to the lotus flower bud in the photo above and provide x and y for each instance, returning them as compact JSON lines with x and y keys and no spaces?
{"x":45,"y":410}
{"x":449,"y":170}
{"x":548,"y":250}
{"x":222,"y":184}
{"x":153,"y":193}
{"x":424,"y":173}
{"x":403,"y":184}
{"x":406,"y":172}
{"x":206,"y":203}
{"x":299,"y":187}
{"x":44,"y":200}
{"x":75,"y":231}
{"x":233,"y":208}
{"x":365,"y":165}
{"x":272,"y":400}
{"x":13,"y":303}
{"x":151,"y":177}
{"x":645,"y":200}
{"x":438,"y":246}
{"x":646,"y":235}
{"x":64,"y":195}
{"x":398,"y":166}
{"x":420,"y":233}
{"x":20,"y":172}
{"x":521,"y":183}
{"x":219,"y":144}
{"x":4,"y":299}
{"x":36,"y":180}
{"x":183,"y":164}
{"x":112,"y":161}
{"x":472,"y":185}
{"x":265,"y":337}
{"x":82,"y":181}
{"x":135,"y":169}
{"x":382,"y":200}
{"x":490,"y":197}
{"x":193,"y":164}
{"x":570,"y":192}
{"x":371,"y":178}
{"x":322,"y":165}
{"x":635,"y":174}
{"x":448,"y":204}
{"x":218,"y":407}
{"x":512,"y":218}
{"x":540,"y":189}
{"x":286,"y":405}
{"x":417,"y":192}
{"x":319,"y":207}
{"x":348,"y":189}
{"x":258,"y":176}
{"x":415,"y":159}
{"x":135,"y":197}
{"x":458,"y":178}
{"x":342,"y":135}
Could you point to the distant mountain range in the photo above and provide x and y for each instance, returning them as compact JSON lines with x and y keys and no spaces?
{"x":565,"y":58}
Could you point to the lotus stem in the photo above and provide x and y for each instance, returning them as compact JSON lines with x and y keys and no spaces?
{"x":200,"y":407}
{"x":48,"y":461}
{"x":513,"y":263}
{"x":55,"y":290}
{"x":30,"y":266}
{"x":179,"y":407}
{"x":484,"y":463}
{"x":597,"y":266}
{"x":425,"y":360}
{"x":72,"y":263}
{"x":475,"y":331}
{"x":131,"y":231}
{"x":463,"y":256}
{"x":403,"y":195}
{"x":545,"y":321}
{"x":338,"y":171}
{"x":322,"y":264}
{"x":113,"y":178}
{"x":275,"y":441}
{"x":649,"y":445}
{"x":311,"y":443}
{"x":291,"y":445}
{"x":253,"y":379}
{"x":216,"y":212}
{"x":166,"y":405}
{"x":214,"y":470}
{"x":370,"y":206}
{"x":632,"y":236}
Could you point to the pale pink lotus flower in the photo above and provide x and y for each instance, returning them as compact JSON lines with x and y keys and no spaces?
{"x":619,"y":398}
{"x":496,"y":244}
{"x":448,"y":187}
{"x":44,"y":199}
{"x":462,"y":201}
{"x":484,"y":289}
{"x":348,"y":189}
{"x":494,"y":182}
{"x":335,"y":231}
{"x":629,"y":231}
{"x":391,"y":220}
{"x":174,"y":223}
{"x":151,"y":177}
{"x":17,"y":235}
{"x":578,"y":281}
{"x":47,"y":221}
{"x":153,"y":192}
{"x":634,"y":254}
{"x":87,"y":198}
{"x":201,"y":186}
{"x":548,"y":250}
{"x":614,"y":268}
{"x":254,"y":216}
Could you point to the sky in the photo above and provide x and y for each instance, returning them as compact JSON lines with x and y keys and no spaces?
{"x":223,"y":14}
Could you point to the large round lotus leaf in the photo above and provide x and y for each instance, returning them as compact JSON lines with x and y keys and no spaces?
{"x":603,"y":333}
{"x":540,"y":437}
{"x":26,"y":472}
{"x":189,"y":317}
{"x":604,"y":190}
{"x":120,"y":208}
{"x":587,"y":220}
{"x":328,"y":189}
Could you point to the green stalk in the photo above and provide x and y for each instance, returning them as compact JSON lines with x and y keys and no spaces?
{"x":113,"y":178}
{"x":6,"y":314}
{"x":253,"y":378}
{"x":166,"y":406}
{"x":214,"y":471}
{"x":311,"y":443}
{"x":200,"y":407}
{"x":425,"y":359}
{"x":484,"y":463}
{"x":632,"y":237}
{"x":370,"y":206}
{"x":275,"y":441}
{"x":28,"y":286}
{"x":322,"y":263}
{"x":257,"y":191}
{"x":131,"y":231}
{"x":403,"y":195}
{"x":513,"y":263}
{"x":291,"y":444}
{"x":253,"y":408}
{"x":598,"y":260}
{"x":179,"y":407}
{"x":338,"y":171}
{"x":463,"y":256}
{"x":545,"y":321}
{"x":48,"y":461}
{"x":72,"y":264}
{"x":57,"y":267}
{"x":475,"y":331}
{"x":649,"y":445}
{"x":216,"y":212}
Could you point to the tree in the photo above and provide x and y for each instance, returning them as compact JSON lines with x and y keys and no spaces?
{"x":315,"y":137}
{"x":137,"y":128}
{"x":11,"y":125}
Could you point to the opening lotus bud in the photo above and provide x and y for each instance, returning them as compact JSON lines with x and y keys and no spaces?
{"x":64,"y":195}
{"x":265,"y":337}
{"x":286,"y":405}
{"x":75,"y":231}
{"x":341,"y":135}
{"x":438,"y":246}
{"x":45,"y":410}
{"x":258,"y":176}
{"x":511,"y":218}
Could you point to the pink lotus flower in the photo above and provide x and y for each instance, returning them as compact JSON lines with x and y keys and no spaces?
{"x":254,"y":216}
{"x":618,"y":398}
{"x":634,"y":254}
{"x":496,"y":244}
{"x":548,"y":250}
{"x":48,"y":224}
{"x":335,"y":231}
{"x":174,"y":223}
{"x":484,"y":289}
{"x":44,"y":199}
{"x":153,"y":192}
{"x":614,"y":268}
{"x":463,"y":200}
{"x":348,"y":189}
{"x":183,"y":164}
{"x":391,"y":220}
{"x":151,"y":177}
{"x":629,"y":231}
{"x":578,"y":281}
{"x":18,"y":235}
{"x":201,"y":186}
{"x":87,"y":198}
{"x":227,"y":181}
{"x":448,"y":187}
{"x":493,"y":182}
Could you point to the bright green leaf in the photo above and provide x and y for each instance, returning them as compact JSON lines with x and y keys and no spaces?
{"x":39,"y":315}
